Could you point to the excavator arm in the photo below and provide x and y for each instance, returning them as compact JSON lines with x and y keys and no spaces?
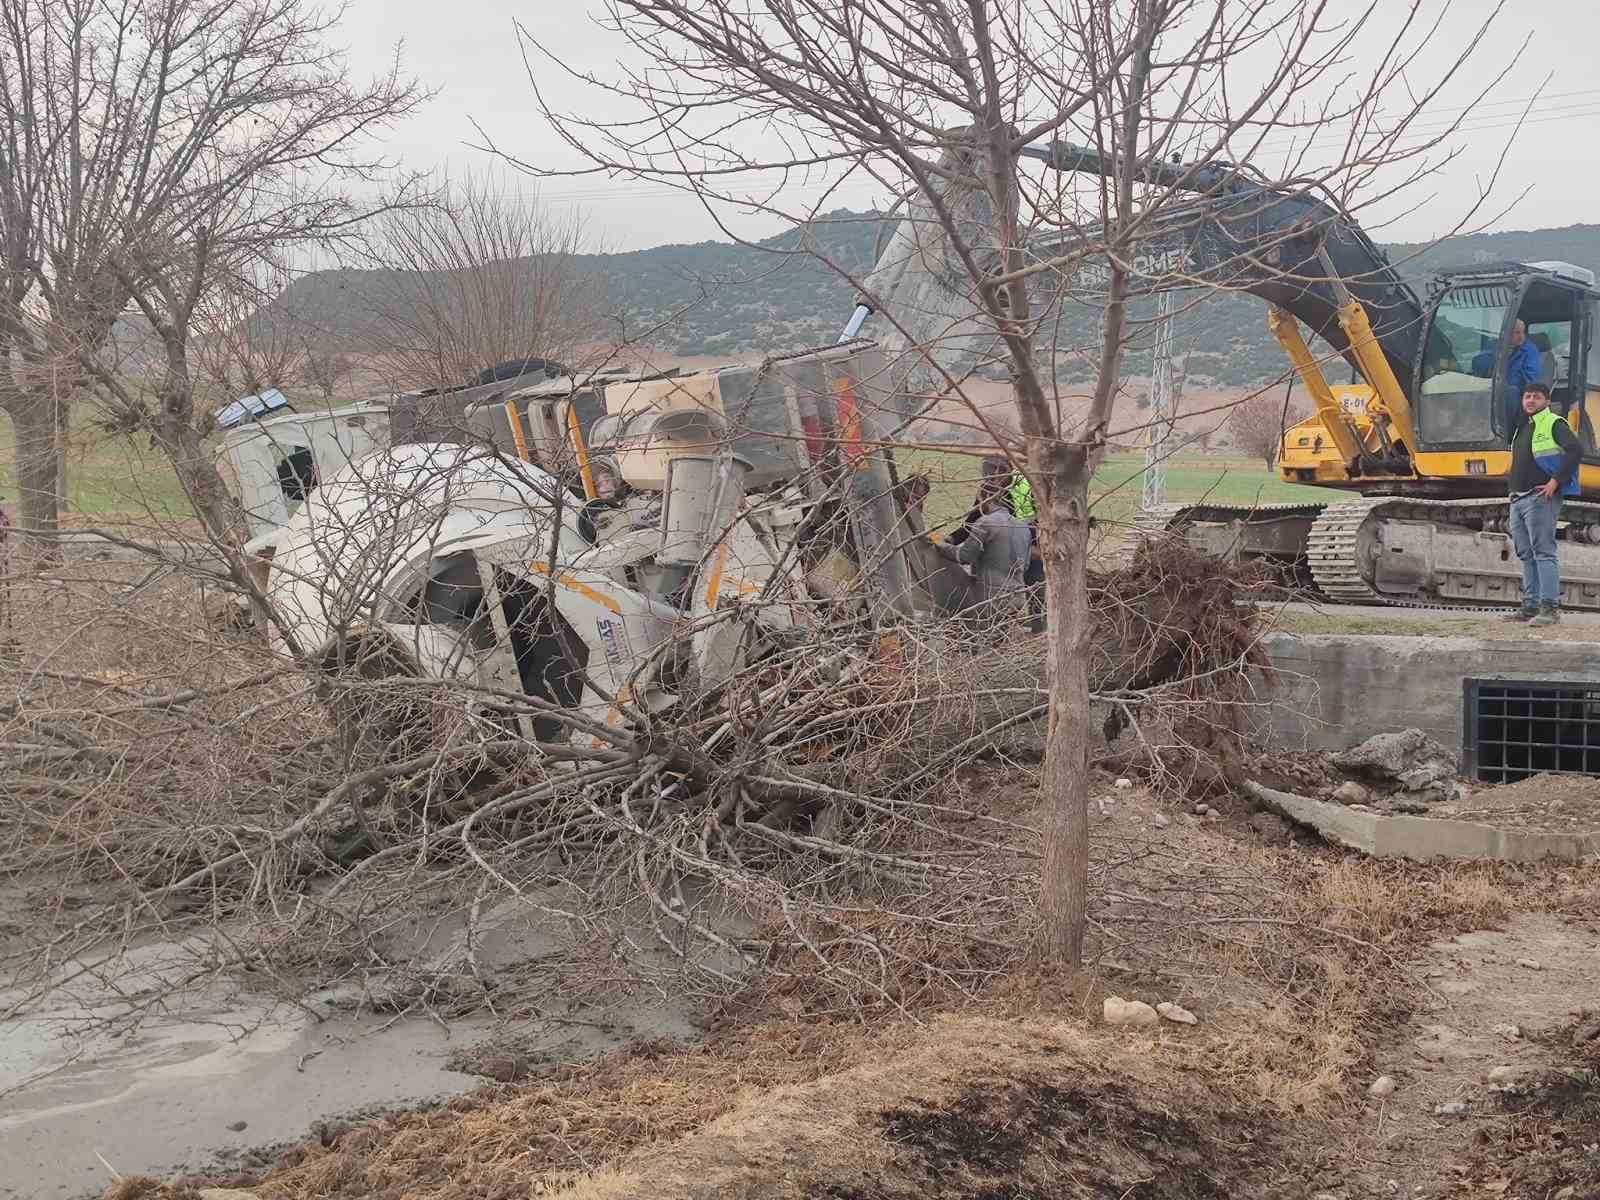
{"x":1299,"y":252}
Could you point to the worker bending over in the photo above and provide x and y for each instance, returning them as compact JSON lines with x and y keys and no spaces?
{"x":996,"y":548}
{"x":1544,"y":468}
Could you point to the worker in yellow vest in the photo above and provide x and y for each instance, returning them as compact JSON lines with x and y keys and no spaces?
{"x":1023,"y":508}
{"x":1544,"y":468}
{"x":1022,"y":498}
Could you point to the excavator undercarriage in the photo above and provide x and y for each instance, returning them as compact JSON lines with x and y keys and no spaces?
{"x":1394,"y":550}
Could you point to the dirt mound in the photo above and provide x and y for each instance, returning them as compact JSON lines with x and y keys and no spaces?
{"x":1027,"y":1137}
{"x":977,"y":1108}
{"x":1542,"y":804}
{"x":967,"y":1106}
{"x":559,"y":1121}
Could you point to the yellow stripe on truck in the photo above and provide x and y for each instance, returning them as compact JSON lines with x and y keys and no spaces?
{"x":581,"y":448}
{"x":518,"y":438}
{"x":577,"y":585}
{"x":718,"y":563}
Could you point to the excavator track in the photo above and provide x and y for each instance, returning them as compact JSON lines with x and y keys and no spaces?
{"x":1333,"y":552}
{"x":1266,"y":531}
{"x":1405,"y":552}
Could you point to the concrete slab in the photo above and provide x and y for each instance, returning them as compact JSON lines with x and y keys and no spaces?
{"x":1423,"y":838}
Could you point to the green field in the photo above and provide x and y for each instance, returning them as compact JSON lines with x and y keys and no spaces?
{"x":122,"y":476}
{"x":1118,"y":486}
{"x":107,"y":476}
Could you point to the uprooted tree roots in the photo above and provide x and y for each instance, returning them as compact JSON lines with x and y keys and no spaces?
{"x":807,"y":821}
{"x":1180,"y":666}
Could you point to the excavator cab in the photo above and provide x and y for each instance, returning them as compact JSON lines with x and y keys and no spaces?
{"x":1464,"y":402}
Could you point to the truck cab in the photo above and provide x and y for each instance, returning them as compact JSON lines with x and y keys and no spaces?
{"x":273,"y":464}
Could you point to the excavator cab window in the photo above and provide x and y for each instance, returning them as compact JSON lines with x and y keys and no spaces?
{"x":1459,"y":362}
{"x":1551,"y":314}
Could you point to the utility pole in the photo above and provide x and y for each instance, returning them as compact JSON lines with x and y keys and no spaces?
{"x":1161,"y":404}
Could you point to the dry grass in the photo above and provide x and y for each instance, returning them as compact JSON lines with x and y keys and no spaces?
{"x":569,"y":1121}
{"x":946,"y":1110}
{"x":1295,"y":959}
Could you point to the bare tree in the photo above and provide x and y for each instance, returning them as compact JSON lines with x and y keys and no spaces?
{"x":946,"y":103}
{"x":158,"y":153}
{"x":234,"y":349}
{"x":326,"y":370}
{"x":1257,"y":424}
{"x":479,"y":278}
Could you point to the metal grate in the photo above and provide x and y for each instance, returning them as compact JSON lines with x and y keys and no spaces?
{"x":1514,"y":728}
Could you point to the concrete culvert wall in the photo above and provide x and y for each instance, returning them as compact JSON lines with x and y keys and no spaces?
{"x":1336,"y":690}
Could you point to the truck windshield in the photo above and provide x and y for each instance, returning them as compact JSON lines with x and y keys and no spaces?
{"x":1459,"y":364}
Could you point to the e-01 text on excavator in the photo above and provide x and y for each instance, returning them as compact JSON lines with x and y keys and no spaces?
{"x":1421,"y":438}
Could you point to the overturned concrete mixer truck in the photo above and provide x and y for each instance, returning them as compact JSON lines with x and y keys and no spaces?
{"x":590,"y":541}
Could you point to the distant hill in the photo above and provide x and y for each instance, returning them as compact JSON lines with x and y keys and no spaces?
{"x":704,"y":298}
{"x":714,"y":298}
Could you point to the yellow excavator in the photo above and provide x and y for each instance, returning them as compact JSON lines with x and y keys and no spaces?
{"x":1419,"y":438}
{"x":1425,"y":446}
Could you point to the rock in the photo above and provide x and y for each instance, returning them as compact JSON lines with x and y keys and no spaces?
{"x":1177,"y":1013}
{"x":1566,"y":1193}
{"x":1161,"y":820}
{"x":1118,"y":1011}
{"x":1123,"y":784}
{"x":1508,"y":1031}
{"x":1383,"y":1085}
{"x":1201,"y":810}
{"x":1501,"y":1076}
{"x":1586,"y":1032}
{"x":1213,"y":814}
{"x":239,"y":1126}
{"x":1410,"y":757}
{"x":1440,"y":1042}
{"x":1413,"y":808}
{"x":1351,"y":792}
{"x":1531,"y":963}
{"x":1270,"y":828}
{"x":1453,"y":1109}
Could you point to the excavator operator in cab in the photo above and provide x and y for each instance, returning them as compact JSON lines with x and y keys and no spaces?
{"x":1523,"y":366}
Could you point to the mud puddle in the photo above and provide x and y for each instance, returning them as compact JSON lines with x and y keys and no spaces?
{"x":135,"y":1069}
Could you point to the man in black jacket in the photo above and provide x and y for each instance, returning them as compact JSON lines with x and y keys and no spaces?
{"x":1544,"y":468}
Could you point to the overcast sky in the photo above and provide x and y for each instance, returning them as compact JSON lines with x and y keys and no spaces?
{"x":467,"y":50}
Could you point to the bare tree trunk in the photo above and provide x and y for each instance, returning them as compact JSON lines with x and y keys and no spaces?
{"x":34,"y":425}
{"x":1063,"y":546}
{"x":197,"y":472}
{"x":62,"y":417}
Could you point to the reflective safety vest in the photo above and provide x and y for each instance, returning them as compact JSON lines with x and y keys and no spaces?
{"x":1022,"y":498}
{"x":1547,"y":451}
